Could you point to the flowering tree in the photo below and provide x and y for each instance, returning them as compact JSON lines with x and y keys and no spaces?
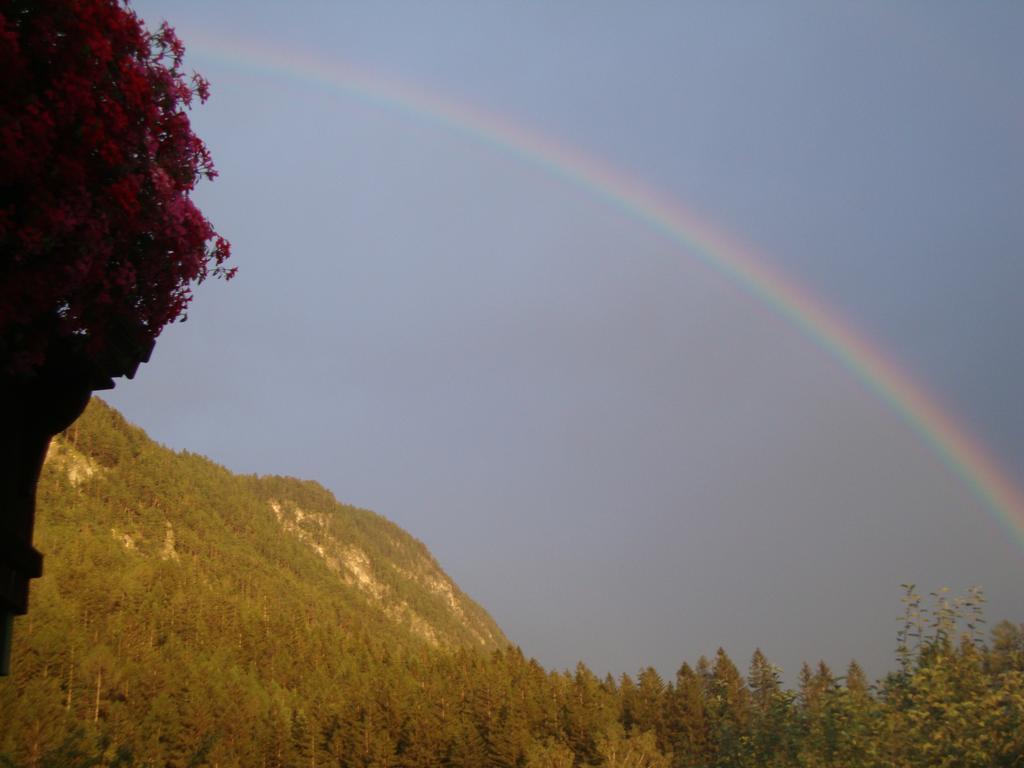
{"x":100,"y":242}
{"x":99,"y":239}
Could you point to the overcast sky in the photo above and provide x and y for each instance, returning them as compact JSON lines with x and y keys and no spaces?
{"x":625,"y":457}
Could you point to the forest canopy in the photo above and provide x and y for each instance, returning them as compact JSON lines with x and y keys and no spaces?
{"x":178,"y":625}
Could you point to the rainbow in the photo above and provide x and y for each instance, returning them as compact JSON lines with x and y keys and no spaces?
{"x":950,"y":440}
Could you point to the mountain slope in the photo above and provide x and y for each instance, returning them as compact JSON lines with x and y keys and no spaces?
{"x":189,"y":616}
{"x":145,"y":509}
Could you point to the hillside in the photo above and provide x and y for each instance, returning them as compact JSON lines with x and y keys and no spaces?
{"x":192,"y":617}
{"x":169,"y":579}
{"x":109,"y":492}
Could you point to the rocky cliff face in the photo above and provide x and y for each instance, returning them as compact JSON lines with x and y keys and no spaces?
{"x":384,"y":580}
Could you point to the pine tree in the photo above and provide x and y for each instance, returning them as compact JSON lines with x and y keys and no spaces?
{"x":688,"y":728}
{"x":1007,"y":648}
{"x":649,"y":706}
{"x":730,"y":709}
{"x":854,"y":714}
{"x":771,"y":730}
{"x":628,"y":702}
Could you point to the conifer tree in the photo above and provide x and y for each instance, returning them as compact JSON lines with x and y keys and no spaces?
{"x":730,"y":710}
{"x":628,"y":702}
{"x":1007,"y":647}
{"x":649,"y":706}
{"x":688,"y":727}
{"x":771,"y":728}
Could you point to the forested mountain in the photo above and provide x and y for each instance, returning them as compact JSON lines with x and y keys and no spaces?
{"x":192,"y":617}
{"x":266,"y":546}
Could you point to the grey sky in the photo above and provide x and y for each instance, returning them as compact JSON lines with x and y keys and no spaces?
{"x":625,"y":458}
